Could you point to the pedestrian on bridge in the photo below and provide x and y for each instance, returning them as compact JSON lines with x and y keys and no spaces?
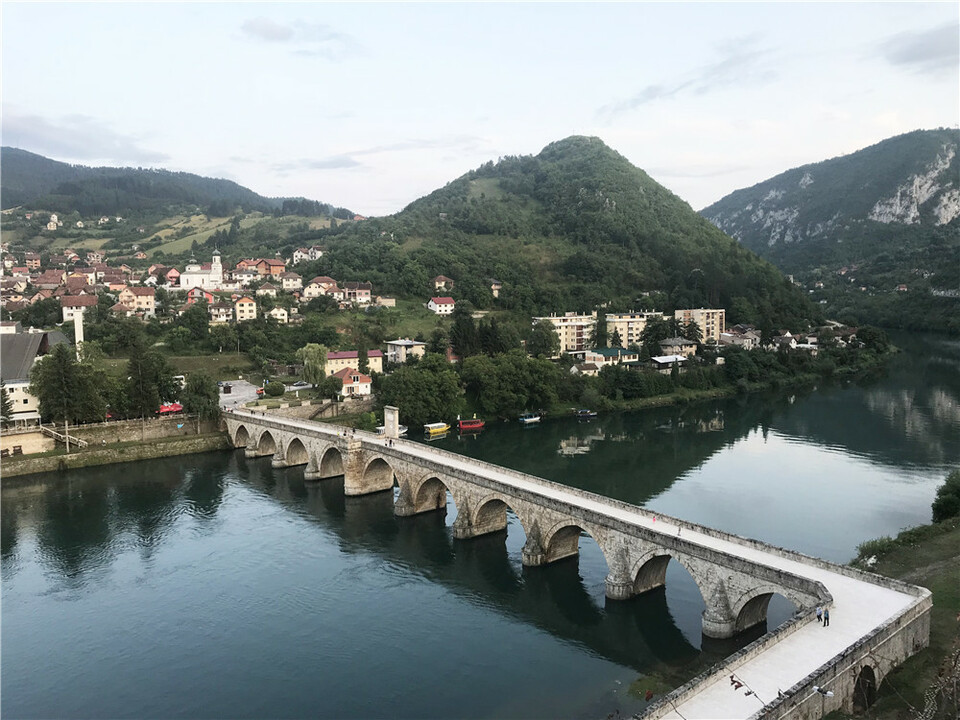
{"x":826,"y":617}
{"x":819,"y":614}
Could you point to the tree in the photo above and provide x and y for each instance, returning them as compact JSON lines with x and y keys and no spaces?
{"x":6,"y":407}
{"x":314,"y":359}
{"x":598,"y":335}
{"x":463,"y":333}
{"x":274,"y":388}
{"x":67,"y":390}
{"x":947,"y":503}
{"x":363,"y":361}
{"x":543,"y":340}
{"x":195,"y":319}
{"x":653,"y":332}
{"x":615,"y":339}
{"x":691,"y":331}
{"x":201,"y":397}
{"x":426,"y":392}
{"x":150,"y":380}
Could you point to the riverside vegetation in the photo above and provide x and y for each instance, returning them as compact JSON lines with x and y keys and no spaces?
{"x":929,"y":555}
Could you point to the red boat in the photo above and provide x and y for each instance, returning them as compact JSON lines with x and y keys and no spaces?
{"x":470,"y":425}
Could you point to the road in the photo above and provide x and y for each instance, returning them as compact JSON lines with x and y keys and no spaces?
{"x":241,"y":393}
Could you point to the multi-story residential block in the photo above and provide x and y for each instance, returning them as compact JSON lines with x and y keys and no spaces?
{"x":573,"y":330}
{"x":245,"y":308}
{"x":399,"y":350}
{"x":630,"y":325}
{"x":337,"y":361}
{"x":711,"y":322}
{"x":142,"y":300}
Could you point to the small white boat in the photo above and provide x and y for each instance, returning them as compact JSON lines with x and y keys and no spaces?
{"x":401,"y":430}
{"x":529,"y":418}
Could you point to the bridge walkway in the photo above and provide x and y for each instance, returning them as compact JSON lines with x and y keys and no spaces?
{"x":858,"y":606}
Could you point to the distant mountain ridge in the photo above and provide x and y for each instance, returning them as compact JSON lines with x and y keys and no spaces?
{"x":34,"y":180}
{"x":909,"y":180}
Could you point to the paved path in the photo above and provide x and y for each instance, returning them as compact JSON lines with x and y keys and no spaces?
{"x":858,"y":606}
{"x":240,"y":394}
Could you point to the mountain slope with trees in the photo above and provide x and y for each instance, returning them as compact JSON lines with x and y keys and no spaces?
{"x":33,"y":180}
{"x":879,"y":229}
{"x":572,"y":228}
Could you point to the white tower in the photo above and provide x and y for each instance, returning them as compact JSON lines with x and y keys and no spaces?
{"x":216,"y":271}
{"x":78,"y":332}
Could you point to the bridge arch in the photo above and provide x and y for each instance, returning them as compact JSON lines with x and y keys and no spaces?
{"x":750,"y":609}
{"x":425,"y":493}
{"x":296,"y":453}
{"x":490,"y":515}
{"x":864,"y":689}
{"x":266,"y":445}
{"x":649,"y":571}
{"x":377,"y":475}
{"x":241,"y":437}
{"x":330,"y":463}
{"x":563,"y":541}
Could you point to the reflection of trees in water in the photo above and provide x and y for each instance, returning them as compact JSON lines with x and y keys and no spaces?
{"x":82,"y":522}
{"x":909,"y":414}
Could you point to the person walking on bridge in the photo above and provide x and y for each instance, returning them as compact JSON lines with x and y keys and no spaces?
{"x":826,"y":617}
{"x":819,"y":614}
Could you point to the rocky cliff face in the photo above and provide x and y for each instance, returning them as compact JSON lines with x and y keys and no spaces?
{"x":911,"y":180}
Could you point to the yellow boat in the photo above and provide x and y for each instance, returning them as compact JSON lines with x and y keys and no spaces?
{"x":438,"y":428}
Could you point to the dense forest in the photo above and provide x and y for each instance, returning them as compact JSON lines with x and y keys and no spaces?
{"x":31,"y":179}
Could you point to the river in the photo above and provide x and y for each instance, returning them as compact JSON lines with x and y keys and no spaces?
{"x":215,"y":586}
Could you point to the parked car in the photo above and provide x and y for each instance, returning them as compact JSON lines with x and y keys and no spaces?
{"x":300,"y":383}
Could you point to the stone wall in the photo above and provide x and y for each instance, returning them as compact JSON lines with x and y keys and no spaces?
{"x":124,"y":452}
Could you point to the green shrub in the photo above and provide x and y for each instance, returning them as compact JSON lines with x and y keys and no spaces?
{"x":947,"y":503}
{"x":274,"y":388}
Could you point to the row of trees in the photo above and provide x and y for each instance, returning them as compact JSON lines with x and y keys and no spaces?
{"x":78,"y":390}
{"x":505,"y":384}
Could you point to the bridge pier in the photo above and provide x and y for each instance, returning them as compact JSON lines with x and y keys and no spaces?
{"x":279,"y":461}
{"x":718,"y":622}
{"x":361,"y":477}
{"x":252,"y":452}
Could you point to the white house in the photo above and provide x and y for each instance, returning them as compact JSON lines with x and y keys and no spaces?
{"x":441,"y":305}
{"x":355,"y":383}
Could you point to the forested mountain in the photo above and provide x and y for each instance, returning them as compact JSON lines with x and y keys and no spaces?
{"x":572,"y":228}
{"x":885,"y":219}
{"x":33,"y":180}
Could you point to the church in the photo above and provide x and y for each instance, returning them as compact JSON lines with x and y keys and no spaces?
{"x":208,"y":276}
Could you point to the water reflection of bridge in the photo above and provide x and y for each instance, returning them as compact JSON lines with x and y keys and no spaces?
{"x":736,"y":577}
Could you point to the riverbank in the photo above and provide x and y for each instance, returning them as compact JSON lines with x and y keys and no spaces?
{"x":60,"y":460}
{"x":928,"y":555}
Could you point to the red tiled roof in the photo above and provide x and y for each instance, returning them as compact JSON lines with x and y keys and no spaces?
{"x":442,"y":300}
{"x":350,"y":354}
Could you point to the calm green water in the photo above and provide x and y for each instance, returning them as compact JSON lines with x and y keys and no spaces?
{"x":213,"y":586}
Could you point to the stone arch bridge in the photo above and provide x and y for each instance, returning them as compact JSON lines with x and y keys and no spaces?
{"x":736,"y":577}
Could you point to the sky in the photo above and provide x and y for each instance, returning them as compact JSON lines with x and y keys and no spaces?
{"x":370,"y":106}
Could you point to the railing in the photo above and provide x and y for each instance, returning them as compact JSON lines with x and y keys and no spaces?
{"x":64,"y":438}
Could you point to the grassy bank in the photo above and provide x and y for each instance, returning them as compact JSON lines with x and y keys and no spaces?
{"x":928,"y":555}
